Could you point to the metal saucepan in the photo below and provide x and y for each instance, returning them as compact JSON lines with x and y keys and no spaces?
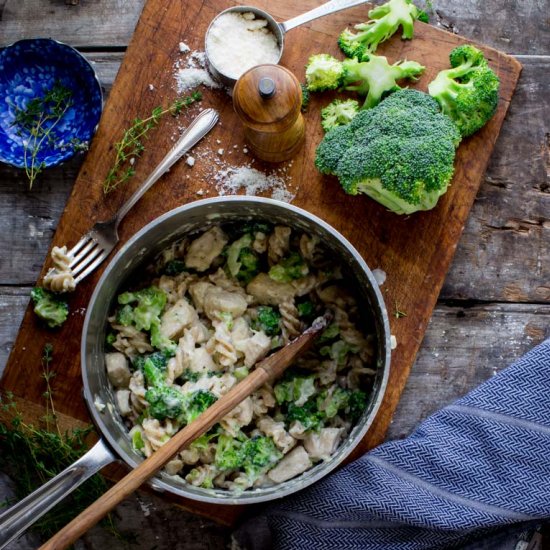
{"x":115,"y":443}
{"x":278,"y":29}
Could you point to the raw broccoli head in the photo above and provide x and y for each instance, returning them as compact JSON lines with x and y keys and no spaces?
{"x":323,"y":72}
{"x":165,"y":402}
{"x":197,"y":402}
{"x":308,"y":415}
{"x":268,"y":319}
{"x":289,"y":268}
{"x":296,"y":389}
{"x":160,"y":340}
{"x":375,"y":77}
{"x":400,"y":153}
{"x":468,"y":92}
{"x":242,"y":262}
{"x":338,"y":113}
{"x":149,"y":304}
{"x":383,"y":24}
{"x":52,"y":310}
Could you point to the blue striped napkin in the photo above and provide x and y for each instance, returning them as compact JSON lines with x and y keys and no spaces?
{"x":477,"y":469}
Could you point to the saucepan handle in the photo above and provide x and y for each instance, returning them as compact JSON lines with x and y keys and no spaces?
{"x":16,"y":519}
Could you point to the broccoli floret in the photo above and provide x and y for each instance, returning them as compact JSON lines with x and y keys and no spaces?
{"x":375,"y":77}
{"x":330,"y":333}
{"x":308,"y":415}
{"x":383,"y":24}
{"x":257,"y":227}
{"x":331,"y":403}
{"x":305,"y":97}
{"x":197,"y":402}
{"x":468,"y":92}
{"x":338,"y":351}
{"x":400,"y":153}
{"x":357,"y":404}
{"x":49,"y":308}
{"x":150,"y":303}
{"x":260,"y":454}
{"x":338,"y":113}
{"x":268,"y":320}
{"x":296,"y":389}
{"x":110,"y":339}
{"x":125,"y":315}
{"x":289,"y":268}
{"x":242,"y":262}
{"x":190,"y":376}
{"x":174,"y":267}
{"x":240,"y":373}
{"x":323,"y":72}
{"x":153,"y":367}
{"x":306,"y":310}
{"x":230,"y":453}
{"x":137,"y":439}
{"x":165,"y":402}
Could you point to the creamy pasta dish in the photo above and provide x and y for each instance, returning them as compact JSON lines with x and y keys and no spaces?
{"x":198,"y":320}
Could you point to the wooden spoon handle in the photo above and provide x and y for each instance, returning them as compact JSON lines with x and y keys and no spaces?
{"x":265,"y":371}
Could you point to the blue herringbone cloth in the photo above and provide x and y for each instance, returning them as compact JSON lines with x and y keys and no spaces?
{"x":475,"y":467}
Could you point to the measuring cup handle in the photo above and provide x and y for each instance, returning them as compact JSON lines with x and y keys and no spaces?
{"x":19,"y":517}
{"x":324,"y":9}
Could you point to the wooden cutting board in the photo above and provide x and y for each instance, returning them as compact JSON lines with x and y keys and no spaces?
{"x":414,"y":251}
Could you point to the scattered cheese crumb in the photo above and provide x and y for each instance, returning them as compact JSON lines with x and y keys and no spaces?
{"x":245,"y":150}
{"x":200,"y":192}
{"x":193,"y":77}
{"x":393,"y":342}
{"x":99,"y":405}
{"x":151,"y":87}
{"x":184,"y":47}
{"x":190,"y":161}
{"x":232,"y":179}
{"x":220,"y":152}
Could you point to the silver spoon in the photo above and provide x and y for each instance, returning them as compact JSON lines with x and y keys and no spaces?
{"x":278,"y":29}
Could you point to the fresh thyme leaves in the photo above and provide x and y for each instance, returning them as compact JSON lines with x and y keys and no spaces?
{"x":399,"y":314}
{"x":130,"y":147}
{"x":32,"y":455}
{"x":36,"y":124}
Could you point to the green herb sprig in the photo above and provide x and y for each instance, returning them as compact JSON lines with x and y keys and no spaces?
{"x":130,"y":147}
{"x":32,"y":455}
{"x":37,"y":122}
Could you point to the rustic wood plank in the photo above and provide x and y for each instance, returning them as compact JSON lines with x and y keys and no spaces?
{"x":507,"y":228}
{"x":462,"y":348}
{"x":514,"y":27}
{"x":505,"y":250}
{"x":103,"y":23}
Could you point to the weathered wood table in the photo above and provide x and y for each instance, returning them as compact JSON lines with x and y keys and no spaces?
{"x":495,"y":304}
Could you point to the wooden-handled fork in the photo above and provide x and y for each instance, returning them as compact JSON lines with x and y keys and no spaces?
{"x":266,"y":371}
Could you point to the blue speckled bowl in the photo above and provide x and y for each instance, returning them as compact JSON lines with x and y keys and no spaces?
{"x":28,"y":69}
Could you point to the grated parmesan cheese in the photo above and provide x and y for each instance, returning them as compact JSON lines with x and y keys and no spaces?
{"x":193,"y":77}
{"x":237,"y":42}
{"x":231,"y":180}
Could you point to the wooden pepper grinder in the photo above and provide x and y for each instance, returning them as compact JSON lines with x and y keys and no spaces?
{"x":268,"y":100}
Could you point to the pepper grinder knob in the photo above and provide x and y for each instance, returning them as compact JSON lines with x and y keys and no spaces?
{"x":266,"y":87}
{"x":268,"y":100}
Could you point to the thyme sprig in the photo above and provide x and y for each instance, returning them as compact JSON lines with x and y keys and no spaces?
{"x":31,"y":455}
{"x":131,"y":146}
{"x":38,"y":121}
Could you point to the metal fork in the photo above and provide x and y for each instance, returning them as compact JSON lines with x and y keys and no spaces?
{"x":96,"y":245}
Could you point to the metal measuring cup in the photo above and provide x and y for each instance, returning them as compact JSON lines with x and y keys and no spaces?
{"x":278,"y":29}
